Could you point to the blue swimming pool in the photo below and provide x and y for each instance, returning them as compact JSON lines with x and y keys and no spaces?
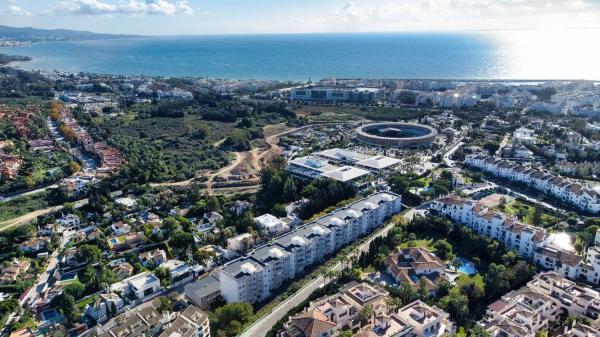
{"x":466,"y":267}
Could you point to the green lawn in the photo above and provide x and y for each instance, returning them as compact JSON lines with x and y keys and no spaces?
{"x":526,"y":213}
{"x":423,"y":243}
{"x":81,"y":304}
{"x":23,"y":205}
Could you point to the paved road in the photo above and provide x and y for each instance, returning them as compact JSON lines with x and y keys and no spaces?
{"x":12,"y":196}
{"x":449,"y":162}
{"x":27,"y":218}
{"x":264,"y":324}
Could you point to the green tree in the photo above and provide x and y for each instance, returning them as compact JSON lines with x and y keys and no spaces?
{"x":162,"y":304}
{"x":88,"y":253}
{"x":443,"y":249}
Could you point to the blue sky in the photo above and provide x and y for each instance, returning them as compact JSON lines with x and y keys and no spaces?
{"x":189,"y":17}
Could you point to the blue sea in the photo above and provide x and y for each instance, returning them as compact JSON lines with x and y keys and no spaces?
{"x":480,"y":55}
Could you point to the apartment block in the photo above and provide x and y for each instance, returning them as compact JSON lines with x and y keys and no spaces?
{"x":254,"y":276}
{"x":582,"y":197}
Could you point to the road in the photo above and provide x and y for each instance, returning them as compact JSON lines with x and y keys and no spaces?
{"x":42,"y":279}
{"x":12,"y":196}
{"x":27,"y":218}
{"x":264,"y":324}
{"x":449,"y":162}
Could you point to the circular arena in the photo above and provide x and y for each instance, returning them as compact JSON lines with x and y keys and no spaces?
{"x":396,"y":134}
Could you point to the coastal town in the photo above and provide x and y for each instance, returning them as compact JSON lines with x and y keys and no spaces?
{"x":146,"y":206}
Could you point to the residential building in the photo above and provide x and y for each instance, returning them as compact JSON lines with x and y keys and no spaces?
{"x":252,"y":278}
{"x":533,"y":308}
{"x":240,"y":242}
{"x":209,"y":221}
{"x":410,"y":265}
{"x":154,"y":257}
{"x":426,"y":321}
{"x":203,"y":292}
{"x":105,"y":306}
{"x":270,"y":224}
{"x":13,"y":270}
{"x":138,"y":286}
{"x":192,"y":322}
{"x":584,"y":198}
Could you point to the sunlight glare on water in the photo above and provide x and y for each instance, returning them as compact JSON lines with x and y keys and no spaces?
{"x":550,"y":54}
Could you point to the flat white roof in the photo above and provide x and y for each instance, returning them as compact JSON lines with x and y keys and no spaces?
{"x":343,"y":154}
{"x":346,"y":173}
{"x":313,"y":163}
{"x":268,"y":220}
{"x":379,"y":162}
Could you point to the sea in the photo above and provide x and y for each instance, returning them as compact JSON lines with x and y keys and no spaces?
{"x":502,"y":55}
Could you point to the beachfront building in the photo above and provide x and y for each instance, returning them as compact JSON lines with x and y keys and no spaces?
{"x":582,"y":197}
{"x":253,"y":277}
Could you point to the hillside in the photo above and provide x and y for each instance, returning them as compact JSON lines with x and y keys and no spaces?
{"x":40,"y":35}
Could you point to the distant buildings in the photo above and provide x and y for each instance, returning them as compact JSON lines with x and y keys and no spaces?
{"x":585,"y":199}
{"x":253,"y":277}
{"x":337,"y":94}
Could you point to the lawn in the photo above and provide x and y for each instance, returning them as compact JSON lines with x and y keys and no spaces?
{"x":316,"y":113}
{"x":421,"y":243}
{"x":526,"y":213}
{"x":88,"y":300}
{"x":23,"y":205}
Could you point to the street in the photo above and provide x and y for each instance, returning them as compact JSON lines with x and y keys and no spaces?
{"x":264,"y":324}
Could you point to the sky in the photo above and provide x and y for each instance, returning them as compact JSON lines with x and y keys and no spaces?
{"x":197,"y":17}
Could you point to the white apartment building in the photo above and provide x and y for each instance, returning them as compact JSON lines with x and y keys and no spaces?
{"x":522,"y":313}
{"x":426,"y":321}
{"x":139,"y":286}
{"x":531,"y":309}
{"x":253,"y":277}
{"x":532,"y":243}
{"x":271,"y":224}
{"x":582,"y":197}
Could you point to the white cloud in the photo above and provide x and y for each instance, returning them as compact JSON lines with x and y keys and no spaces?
{"x":131,"y":7}
{"x":436,"y":14}
{"x":14,"y":10}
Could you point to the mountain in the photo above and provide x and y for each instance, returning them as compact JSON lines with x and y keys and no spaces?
{"x":39,"y":35}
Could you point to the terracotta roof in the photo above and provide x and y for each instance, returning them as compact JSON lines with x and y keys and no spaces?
{"x":313,"y":323}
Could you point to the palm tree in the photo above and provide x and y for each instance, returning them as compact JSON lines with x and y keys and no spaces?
{"x":365,"y":314}
{"x":393,"y":303}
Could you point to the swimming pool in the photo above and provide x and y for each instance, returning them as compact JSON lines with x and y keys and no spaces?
{"x":466,"y":267}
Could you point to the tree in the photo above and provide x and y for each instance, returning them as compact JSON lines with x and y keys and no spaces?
{"x":365,"y":314}
{"x":74,"y":167}
{"x":163,"y":275}
{"x":393,"y":303}
{"x":181,"y":242}
{"x":88,"y":254}
{"x":289,"y":190}
{"x":497,"y":280}
{"x":457,"y":305}
{"x":162,"y":304}
{"x":443,"y":249}
{"x":423,"y":289}
{"x":228,"y":320}
{"x":74,"y":289}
